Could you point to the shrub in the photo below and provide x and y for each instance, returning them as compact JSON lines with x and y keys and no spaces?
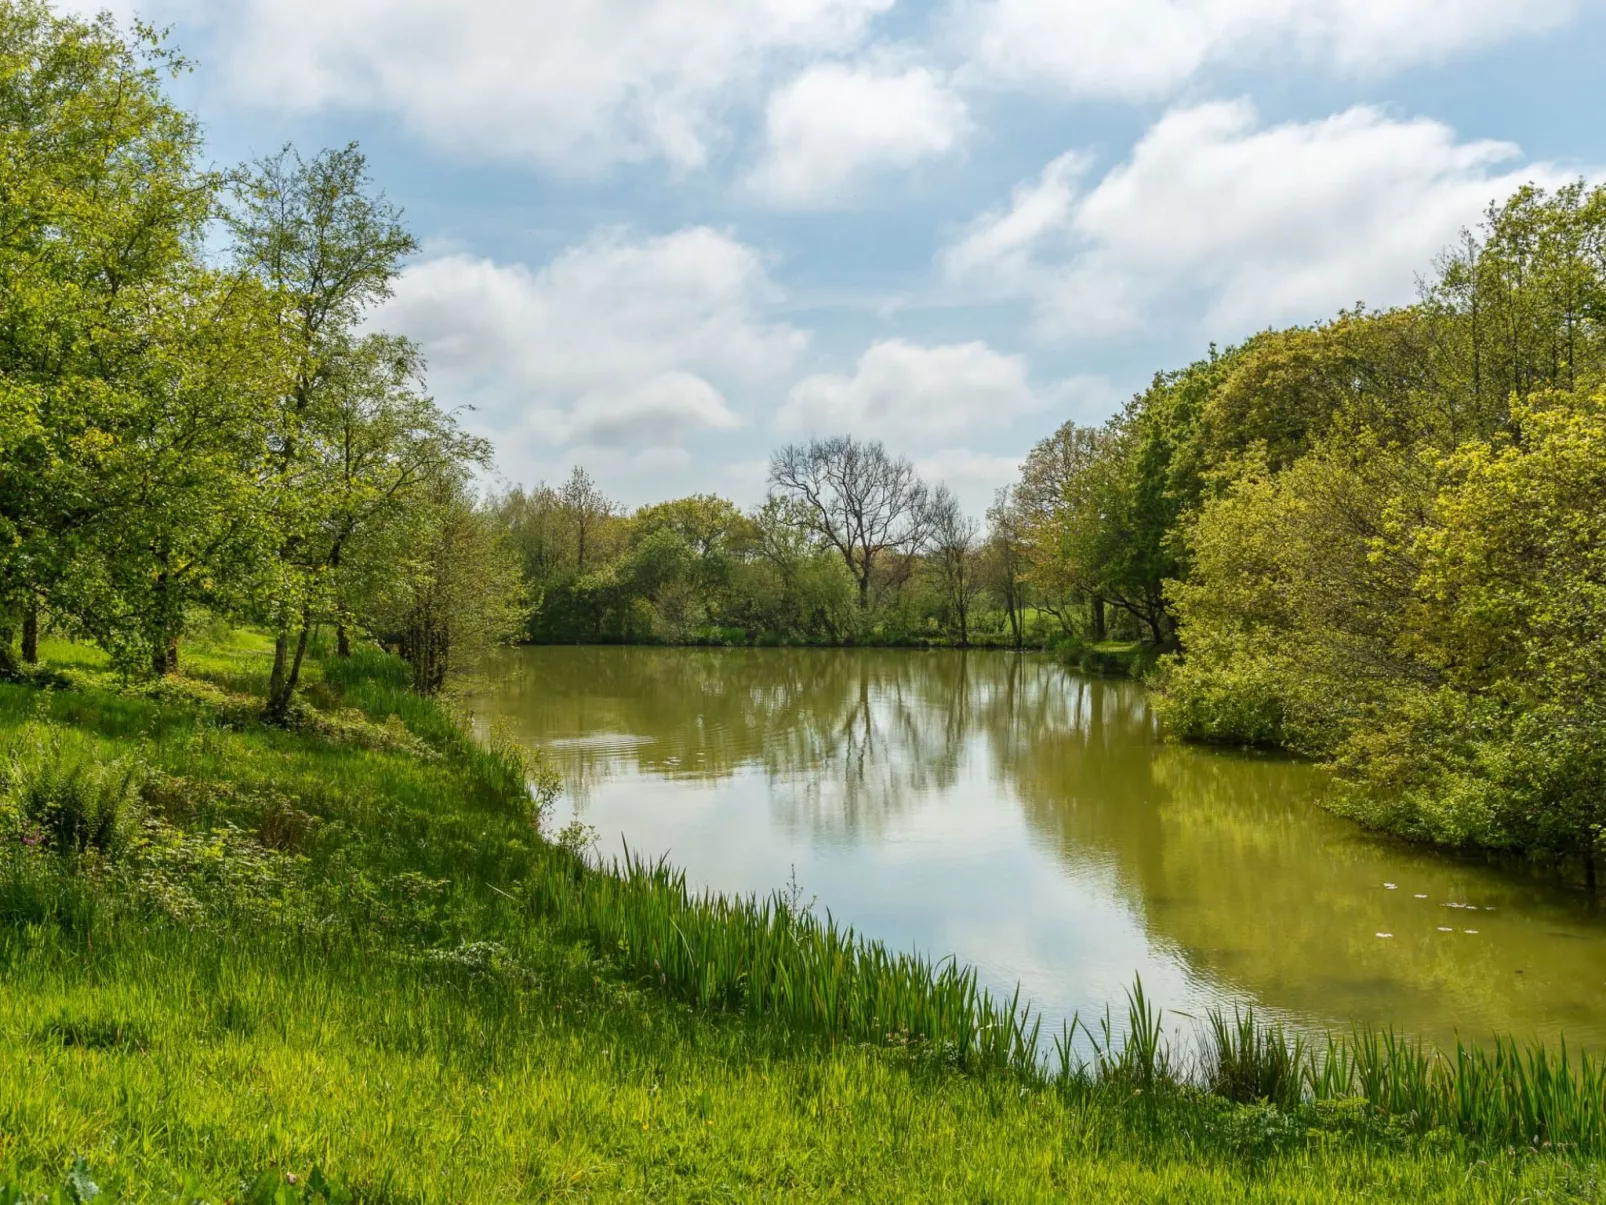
{"x":60,"y":789}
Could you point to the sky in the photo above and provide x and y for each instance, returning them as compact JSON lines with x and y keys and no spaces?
{"x":662,"y":237}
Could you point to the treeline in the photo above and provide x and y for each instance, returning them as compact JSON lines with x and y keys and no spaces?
{"x":195,"y":413}
{"x":1380,"y":540}
{"x":849,"y":547}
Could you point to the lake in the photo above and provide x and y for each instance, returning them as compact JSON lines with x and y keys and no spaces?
{"x":1033,"y":823}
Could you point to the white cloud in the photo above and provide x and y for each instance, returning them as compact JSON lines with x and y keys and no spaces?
{"x":1247,"y":224}
{"x":908,"y":393}
{"x":1132,"y":49}
{"x":619,"y":342}
{"x":974,"y":477}
{"x":829,"y":130}
{"x":573,"y":86}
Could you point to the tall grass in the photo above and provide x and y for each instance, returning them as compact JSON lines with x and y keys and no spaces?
{"x":767,"y":957}
{"x":1506,"y":1095}
{"x":457,"y":965}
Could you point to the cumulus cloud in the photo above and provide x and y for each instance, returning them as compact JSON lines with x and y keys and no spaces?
{"x":906,"y":392}
{"x":833,"y":127}
{"x":1214,"y":213}
{"x":1133,"y":49}
{"x":974,"y":477}
{"x":620,"y":342}
{"x":572,"y":86}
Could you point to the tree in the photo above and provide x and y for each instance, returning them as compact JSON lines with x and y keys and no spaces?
{"x":1006,"y":558}
{"x":328,"y":248}
{"x":953,"y":546}
{"x":380,"y":441}
{"x":461,"y":594}
{"x":1052,"y":470}
{"x":102,"y":210}
{"x":586,"y":509}
{"x":856,"y":498}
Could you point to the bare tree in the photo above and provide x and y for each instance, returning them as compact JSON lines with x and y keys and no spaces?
{"x":953,"y":547}
{"x":856,"y":498}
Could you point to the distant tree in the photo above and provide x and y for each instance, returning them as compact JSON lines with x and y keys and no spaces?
{"x":461,"y":593}
{"x":952,"y":545}
{"x":586,"y":508}
{"x":855,"y":497}
{"x":1006,"y":559}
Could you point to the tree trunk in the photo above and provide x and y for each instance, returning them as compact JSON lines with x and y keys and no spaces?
{"x":1100,"y":623}
{"x":301,"y":653}
{"x":9,"y":666}
{"x":30,"y":635}
{"x":342,"y":641}
{"x":287,"y":668}
{"x":1156,"y":622}
{"x":278,"y":700}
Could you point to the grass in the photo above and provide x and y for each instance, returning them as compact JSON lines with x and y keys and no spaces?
{"x":344,"y":954}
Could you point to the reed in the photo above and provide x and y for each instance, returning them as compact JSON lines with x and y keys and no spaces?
{"x":1501,"y":1096}
{"x":766,"y":957}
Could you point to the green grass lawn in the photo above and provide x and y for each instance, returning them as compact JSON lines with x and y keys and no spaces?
{"x":346,"y":948}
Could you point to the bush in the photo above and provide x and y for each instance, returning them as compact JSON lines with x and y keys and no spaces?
{"x":60,"y":790}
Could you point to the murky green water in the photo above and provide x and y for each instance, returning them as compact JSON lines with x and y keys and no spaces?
{"x":1032,"y":823}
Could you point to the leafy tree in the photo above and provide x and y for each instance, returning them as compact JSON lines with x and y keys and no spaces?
{"x":461,"y":594}
{"x":1005,"y":561}
{"x":328,"y":249}
{"x":101,"y":210}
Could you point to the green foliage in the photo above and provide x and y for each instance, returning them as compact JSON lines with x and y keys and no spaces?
{"x":180,"y":433}
{"x":768,"y":959}
{"x":1375,"y":540}
{"x":484,"y":1002}
{"x":58,"y":789}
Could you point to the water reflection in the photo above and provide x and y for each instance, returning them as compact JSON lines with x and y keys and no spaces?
{"x":1032,"y":822}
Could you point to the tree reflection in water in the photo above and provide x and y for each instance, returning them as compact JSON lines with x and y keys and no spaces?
{"x":1225,"y":860}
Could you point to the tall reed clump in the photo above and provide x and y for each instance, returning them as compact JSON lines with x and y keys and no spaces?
{"x":767,"y":957}
{"x":1506,"y":1095}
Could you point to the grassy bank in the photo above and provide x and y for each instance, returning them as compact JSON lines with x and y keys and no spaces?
{"x":233,"y":954}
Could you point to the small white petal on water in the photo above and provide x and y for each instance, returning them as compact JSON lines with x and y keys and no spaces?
{"x":1391,"y":886}
{"x":1446,"y":929}
{"x":1421,"y":895}
{"x":1474,"y":932}
{"x":1385,"y":935}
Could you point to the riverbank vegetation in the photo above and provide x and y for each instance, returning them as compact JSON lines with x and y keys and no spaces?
{"x":273,"y":927}
{"x":345,"y":963}
{"x":1378,"y":541}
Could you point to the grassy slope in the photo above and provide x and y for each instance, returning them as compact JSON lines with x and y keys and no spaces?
{"x":370,"y":998}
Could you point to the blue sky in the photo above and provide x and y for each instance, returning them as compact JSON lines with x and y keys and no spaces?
{"x":663,"y":236}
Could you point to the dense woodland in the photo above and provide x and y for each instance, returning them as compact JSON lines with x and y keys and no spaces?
{"x":1378,"y":540}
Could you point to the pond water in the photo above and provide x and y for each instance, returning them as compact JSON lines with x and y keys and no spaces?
{"x":1032,"y":822}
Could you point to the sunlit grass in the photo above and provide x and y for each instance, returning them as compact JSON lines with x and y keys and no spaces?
{"x":355,"y":953}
